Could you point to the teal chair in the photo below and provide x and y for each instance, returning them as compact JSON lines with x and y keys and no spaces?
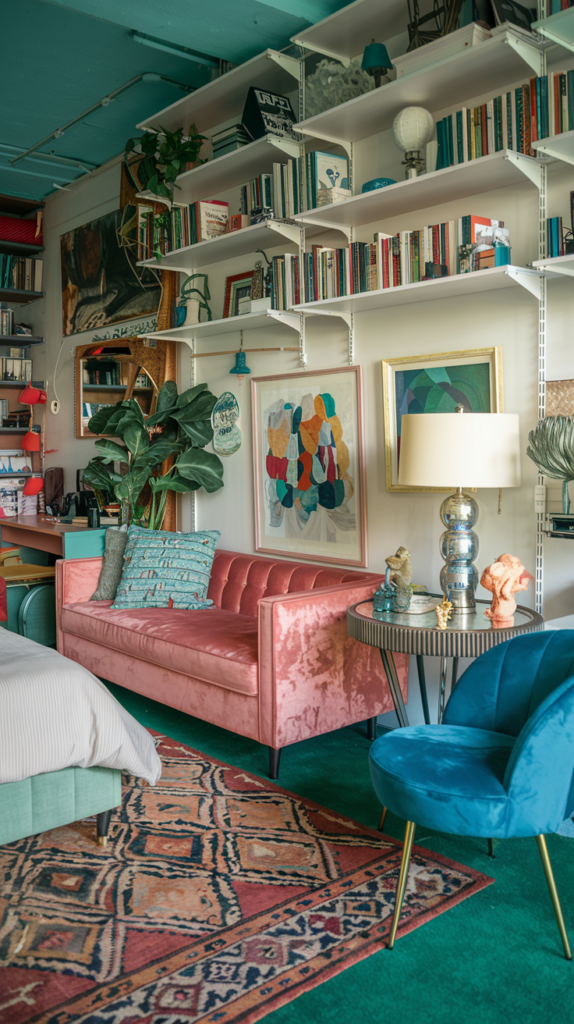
{"x":502,"y":763}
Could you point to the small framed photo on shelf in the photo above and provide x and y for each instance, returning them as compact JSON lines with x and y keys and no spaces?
{"x":309,"y":478}
{"x":436,"y":383}
{"x":238,"y":294}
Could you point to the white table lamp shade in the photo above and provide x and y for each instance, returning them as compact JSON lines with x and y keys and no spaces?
{"x":459,"y":450}
{"x":412,"y":128}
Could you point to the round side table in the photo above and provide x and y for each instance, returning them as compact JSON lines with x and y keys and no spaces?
{"x":466,"y":636}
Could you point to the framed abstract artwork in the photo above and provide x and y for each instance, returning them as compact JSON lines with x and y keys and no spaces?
{"x":101,"y":281}
{"x":238,"y":294}
{"x":436,"y":383}
{"x":310,"y":500}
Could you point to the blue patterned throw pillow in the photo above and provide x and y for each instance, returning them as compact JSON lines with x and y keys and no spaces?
{"x":166,"y":570}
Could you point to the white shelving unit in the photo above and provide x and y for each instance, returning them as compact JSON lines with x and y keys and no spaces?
{"x":559,"y":28}
{"x":510,"y":55}
{"x":557,"y":147}
{"x":224,"y":98}
{"x":227,"y":247}
{"x":231,"y":325}
{"x":483,"y":175}
{"x":425,"y":291}
{"x":487,"y":66}
{"x":562,"y":265}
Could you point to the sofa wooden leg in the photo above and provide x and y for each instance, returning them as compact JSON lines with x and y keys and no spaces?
{"x":103,"y":820}
{"x":372,"y":728}
{"x":274,"y":758}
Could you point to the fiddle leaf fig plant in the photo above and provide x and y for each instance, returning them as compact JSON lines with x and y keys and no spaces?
{"x":165,"y":155}
{"x":179,"y":430}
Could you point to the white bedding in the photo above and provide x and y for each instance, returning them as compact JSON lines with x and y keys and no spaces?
{"x":55,"y":714}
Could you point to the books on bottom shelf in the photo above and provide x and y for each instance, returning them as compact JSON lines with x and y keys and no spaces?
{"x":389,"y":261}
{"x":13,"y":501}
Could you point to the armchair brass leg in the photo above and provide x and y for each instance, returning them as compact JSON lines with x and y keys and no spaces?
{"x":382,"y":821}
{"x":543,"y":851}
{"x":407,"y":848}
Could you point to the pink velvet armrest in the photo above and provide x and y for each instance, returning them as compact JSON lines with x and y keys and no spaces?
{"x":76,"y":580}
{"x":313,"y":677}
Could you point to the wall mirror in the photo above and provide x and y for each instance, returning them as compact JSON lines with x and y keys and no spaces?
{"x":109,"y":372}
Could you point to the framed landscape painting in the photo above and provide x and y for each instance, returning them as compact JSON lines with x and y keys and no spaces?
{"x":308,"y":466}
{"x":436,"y":383}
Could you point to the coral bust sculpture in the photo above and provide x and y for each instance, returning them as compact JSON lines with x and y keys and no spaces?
{"x":504,"y":578}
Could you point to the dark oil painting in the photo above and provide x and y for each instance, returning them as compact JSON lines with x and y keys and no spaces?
{"x":101,"y":281}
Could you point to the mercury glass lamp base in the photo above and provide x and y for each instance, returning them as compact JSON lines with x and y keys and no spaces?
{"x":459,"y":548}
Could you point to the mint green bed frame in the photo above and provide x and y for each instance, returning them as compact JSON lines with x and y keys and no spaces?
{"x":47,"y":801}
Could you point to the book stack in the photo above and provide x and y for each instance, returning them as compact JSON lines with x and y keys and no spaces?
{"x":389,"y":261}
{"x":313,"y":180}
{"x":514,"y":120}
{"x":21,"y":272}
{"x":102,"y":372}
{"x":208,"y":219}
{"x":562,"y":101}
{"x":6,"y":321}
{"x":230,"y":139}
{"x":554,"y":235}
{"x":15,"y":369}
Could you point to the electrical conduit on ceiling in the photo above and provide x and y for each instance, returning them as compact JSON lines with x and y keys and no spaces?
{"x":146,"y":76}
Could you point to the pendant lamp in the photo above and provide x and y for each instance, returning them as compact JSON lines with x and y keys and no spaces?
{"x":32,"y":396}
{"x":31,"y":442}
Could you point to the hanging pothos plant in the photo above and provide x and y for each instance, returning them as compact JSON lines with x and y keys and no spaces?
{"x":164,"y":156}
{"x":178,"y":430}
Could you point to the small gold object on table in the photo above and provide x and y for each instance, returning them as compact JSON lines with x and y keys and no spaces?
{"x":443,"y":613}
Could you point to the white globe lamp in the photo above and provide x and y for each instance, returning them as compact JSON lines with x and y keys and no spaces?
{"x":412,"y":129}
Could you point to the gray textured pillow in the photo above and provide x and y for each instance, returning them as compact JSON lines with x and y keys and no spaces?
{"x":112,"y":566}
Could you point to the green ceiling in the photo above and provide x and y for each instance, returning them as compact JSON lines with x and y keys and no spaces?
{"x":59,"y":59}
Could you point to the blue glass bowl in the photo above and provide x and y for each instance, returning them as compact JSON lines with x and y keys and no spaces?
{"x":370,"y":186}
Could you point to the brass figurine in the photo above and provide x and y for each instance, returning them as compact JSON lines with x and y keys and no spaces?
{"x":400,"y":566}
{"x":443,"y":613}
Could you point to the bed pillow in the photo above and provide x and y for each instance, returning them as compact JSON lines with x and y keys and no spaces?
{"x":166,"y":570}
{"x":112,"y":565}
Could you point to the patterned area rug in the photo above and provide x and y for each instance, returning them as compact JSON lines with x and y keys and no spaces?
{"x":219,"y":898}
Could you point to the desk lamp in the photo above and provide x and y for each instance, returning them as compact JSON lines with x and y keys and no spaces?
{"x":471,"y":449}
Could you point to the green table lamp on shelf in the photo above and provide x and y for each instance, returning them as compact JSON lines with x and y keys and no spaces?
{"x":474,"y":450}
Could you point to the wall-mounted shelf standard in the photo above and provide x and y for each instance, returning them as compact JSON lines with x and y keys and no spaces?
{"x":560,"y":147}
{"x":346,"y":33}
{"x":17,"y":295}
{"x":563,"y":265}
{"x":482,"y":175}
{"x":424,"y":291}
{"x":231,"y":325}
{"x":486,"y":67}
{"x":224,"y":98}
{"x":558,"y":27}
{"x":227,"y":247}
{"x":20,"y":340}
{"x":235,"y":168}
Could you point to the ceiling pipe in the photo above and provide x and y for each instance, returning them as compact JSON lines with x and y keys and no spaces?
{"x":104,"y":102}
{"x":173,"y":49}
{"x":50,"y":158}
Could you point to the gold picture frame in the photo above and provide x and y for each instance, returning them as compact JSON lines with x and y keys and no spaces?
{"x":477,"y":390}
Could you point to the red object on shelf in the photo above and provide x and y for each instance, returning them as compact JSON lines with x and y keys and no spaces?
{"x":14,"y":229}
{"x":32,"y":396}
{"x":34,"y":485}
{"x":31,"y":442}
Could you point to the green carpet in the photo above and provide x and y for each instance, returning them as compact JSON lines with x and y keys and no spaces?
{"x":496,"y":957}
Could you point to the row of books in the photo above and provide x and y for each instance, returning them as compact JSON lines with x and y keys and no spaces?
{"x":21,"y":272}
{"x":313,"y":180}
{"x":6,"y":321}
{"x":437,"y":250}
{"x":514,"y":120}
{"x":229,"y":139}
{"x":555,"y":237}
{"x":15,"y":369}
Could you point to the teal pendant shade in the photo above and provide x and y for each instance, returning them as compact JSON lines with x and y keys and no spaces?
{"x":240,"y":366}
{"x":376,"y":60}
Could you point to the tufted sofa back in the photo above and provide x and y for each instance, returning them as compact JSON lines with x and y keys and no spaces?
{"x":239,"y":581}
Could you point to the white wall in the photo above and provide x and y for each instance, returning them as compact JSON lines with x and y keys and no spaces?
{"x":508,"y":318}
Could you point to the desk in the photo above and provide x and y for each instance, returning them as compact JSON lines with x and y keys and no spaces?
{"x":38,"y":533}
{"x":466,"y":636}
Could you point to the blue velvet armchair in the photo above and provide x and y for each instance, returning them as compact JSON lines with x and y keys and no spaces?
{"x":502,"y":763}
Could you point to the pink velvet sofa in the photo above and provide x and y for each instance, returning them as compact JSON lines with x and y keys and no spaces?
{"x":271,"y":661}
